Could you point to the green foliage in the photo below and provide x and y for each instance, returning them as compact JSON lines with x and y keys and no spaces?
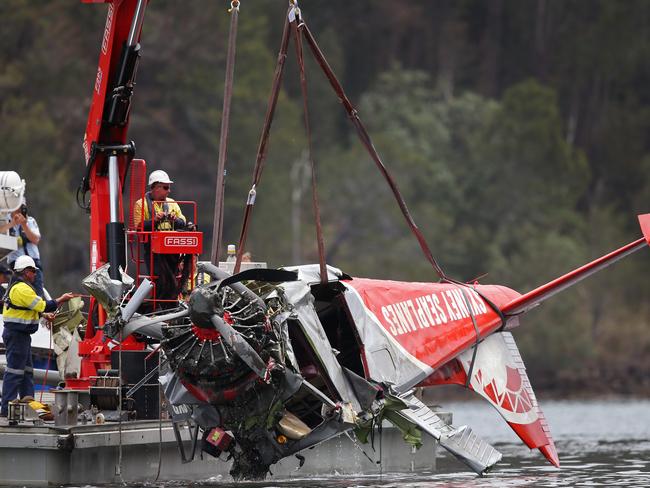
{"x":517,"y":135}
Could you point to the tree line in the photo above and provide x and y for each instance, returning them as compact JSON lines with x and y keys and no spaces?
{"x":517,"y":131}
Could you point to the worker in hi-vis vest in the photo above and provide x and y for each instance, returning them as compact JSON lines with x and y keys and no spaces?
{"x":167,"y":213}
{"x":21,"y":314}
{"x":167,"y":216}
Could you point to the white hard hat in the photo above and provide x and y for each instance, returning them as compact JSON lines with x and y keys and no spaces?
{"x":159,"y":176}
{"x":24,"y":262}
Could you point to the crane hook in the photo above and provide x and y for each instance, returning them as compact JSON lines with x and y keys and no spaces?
{"x":294,"y":11}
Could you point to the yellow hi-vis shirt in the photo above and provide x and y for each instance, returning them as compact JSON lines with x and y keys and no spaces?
{"x":23,"y":295}
{"x":141,"y":213}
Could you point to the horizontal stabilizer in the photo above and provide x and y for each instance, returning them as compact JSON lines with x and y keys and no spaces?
{"x":461,"y":442}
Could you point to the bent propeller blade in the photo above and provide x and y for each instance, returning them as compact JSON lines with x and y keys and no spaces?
{"x":238,"y":344}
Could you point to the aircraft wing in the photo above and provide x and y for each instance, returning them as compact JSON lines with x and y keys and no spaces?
{"x":469,"y":448}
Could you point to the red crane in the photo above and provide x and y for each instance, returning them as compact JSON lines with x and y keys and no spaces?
{"x":109,"y":154}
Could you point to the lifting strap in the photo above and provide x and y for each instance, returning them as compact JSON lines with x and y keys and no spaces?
{"x":262,"y":148}
{"x":367,"y":142}
{"x":217,"y":224}
{"x":296,"y":28}
{"x":299,"y":25}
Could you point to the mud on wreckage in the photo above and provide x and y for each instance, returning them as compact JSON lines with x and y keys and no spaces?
{"x":250,"y":386}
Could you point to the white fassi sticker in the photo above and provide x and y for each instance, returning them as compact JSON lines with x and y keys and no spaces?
{"x":180,"y":241}
{"x":107,"y":29}
{"x":94,"y":254}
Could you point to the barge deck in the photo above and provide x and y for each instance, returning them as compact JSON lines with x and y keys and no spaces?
{"x":146,"y":450}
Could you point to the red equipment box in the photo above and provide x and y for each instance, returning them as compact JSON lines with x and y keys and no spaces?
{"x":172,"y":242}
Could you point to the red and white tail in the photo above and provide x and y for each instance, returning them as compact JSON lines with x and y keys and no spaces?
{"x":498,"y":374}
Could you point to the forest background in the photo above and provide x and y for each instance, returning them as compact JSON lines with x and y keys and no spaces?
{"x":517,"y":130}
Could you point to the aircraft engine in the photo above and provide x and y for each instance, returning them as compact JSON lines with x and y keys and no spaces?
{"x":202,"y":358}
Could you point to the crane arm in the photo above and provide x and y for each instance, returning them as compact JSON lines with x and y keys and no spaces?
{"x":108,"y":119}
{"x":108,"y":154}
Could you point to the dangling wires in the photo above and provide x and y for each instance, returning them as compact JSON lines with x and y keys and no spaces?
{"x":217,"y":224}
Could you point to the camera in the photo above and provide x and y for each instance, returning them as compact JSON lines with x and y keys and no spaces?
{"x":23,"y":209}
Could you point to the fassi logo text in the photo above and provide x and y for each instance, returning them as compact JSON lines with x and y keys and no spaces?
{"x":178,"y":241}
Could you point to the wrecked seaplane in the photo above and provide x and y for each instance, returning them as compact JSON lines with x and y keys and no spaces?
{"x":270,"y":362}
{"x":266,"y":363}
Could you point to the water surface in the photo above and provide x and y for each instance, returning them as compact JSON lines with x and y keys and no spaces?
{"x":600,"y":443}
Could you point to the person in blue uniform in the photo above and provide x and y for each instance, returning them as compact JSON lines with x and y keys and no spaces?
{"x":21,"y":313}
{"x":25,"y":228}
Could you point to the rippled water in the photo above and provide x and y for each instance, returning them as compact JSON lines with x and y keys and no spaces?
{"x":600,"y":443}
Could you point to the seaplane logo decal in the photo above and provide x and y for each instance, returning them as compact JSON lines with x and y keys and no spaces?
{"x":513,"y":398}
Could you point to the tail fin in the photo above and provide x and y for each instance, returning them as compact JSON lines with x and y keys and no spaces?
{"x":499,"y":376}
{"x":533,"y":298}
{"x":644,"y":222}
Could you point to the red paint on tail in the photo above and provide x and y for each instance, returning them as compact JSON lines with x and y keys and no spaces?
{"x":550,"y":453}
{"x":644,"y":222}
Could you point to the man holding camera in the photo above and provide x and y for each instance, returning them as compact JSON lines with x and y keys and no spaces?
{"x":167,"y":216}
{"x":25,"y":228}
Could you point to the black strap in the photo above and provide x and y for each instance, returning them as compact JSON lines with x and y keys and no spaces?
{"x":476,"y":331}
{"x":367,"y":142}
{"x":217,"y":224}
{"x":493,"y":306}
{"x":147,"y":207}
{"x":264,"y":138}
{"x":490,"y":303}
{"x":296,"y":26}
{"x":149,"y":202}
{"x":23,"y":237}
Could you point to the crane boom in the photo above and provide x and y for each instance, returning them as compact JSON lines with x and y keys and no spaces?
{"x":108,"y":120}
{"x":105,"y":145}
{"x":108,"y":154}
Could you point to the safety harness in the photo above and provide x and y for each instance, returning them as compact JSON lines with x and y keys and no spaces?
{"x":148,"y":207}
